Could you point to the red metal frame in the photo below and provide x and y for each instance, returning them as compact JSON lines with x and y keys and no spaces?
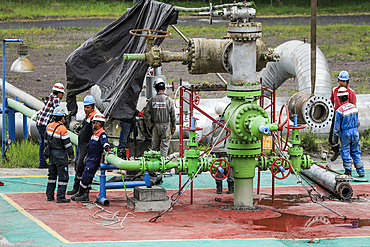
{"x":272,"y":105}
{"x":193,"y":105}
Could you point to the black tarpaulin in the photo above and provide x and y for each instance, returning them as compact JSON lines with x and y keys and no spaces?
{"x":99,"y":60}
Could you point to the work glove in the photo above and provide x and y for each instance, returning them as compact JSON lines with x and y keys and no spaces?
{"x":172,"y":132}
{"x":140,"y":114}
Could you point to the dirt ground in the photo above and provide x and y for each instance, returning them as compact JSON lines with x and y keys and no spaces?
{"x":48,"y":53}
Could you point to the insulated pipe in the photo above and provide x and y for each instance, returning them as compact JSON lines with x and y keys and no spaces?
{"x":295,"y":60}
{"x":337,"y":184}
{"x":31,"y":113}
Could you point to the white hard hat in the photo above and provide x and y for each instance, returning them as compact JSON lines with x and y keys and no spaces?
{"x":158,"y":81}
{"x":58,"y":87}
{"x":219,"y":108}
{"x":99,"y":117}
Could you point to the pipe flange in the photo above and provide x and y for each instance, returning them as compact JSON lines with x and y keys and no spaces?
{"x":244,"y":31}
{"x":225,"y":58}
{"x":191,"y":49}
{"x":318,"y":112}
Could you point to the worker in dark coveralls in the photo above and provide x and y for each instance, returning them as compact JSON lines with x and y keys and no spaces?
{"x":159,"y":115}
{"x":85,"y":131}
{"x":220,"y":149}
{"x":61,"y":148}
{"x":346,"y":127}
{"x":98,"y":143}
{"x":45,"y":115}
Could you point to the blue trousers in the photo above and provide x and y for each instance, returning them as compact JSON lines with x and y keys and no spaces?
{"x":350,"y":150}
{"x":42,"y":132}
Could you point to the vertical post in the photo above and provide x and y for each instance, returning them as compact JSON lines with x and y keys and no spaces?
{"x":25,"y":127}
{"x":3,"y":105}
{"x":313,"y":45}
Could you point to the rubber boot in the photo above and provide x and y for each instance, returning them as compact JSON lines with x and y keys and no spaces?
{"x":63,"y":200}
{"x":78,"y":194}
{"x":230,"y":186}
{"x":50,"y":188}
{"x":121,"y":153}
{"x":336,"y":153}
{"x":84,"y":197}
{"x":219,"y":187}
{"x":76,"y":185}
{"x":348,"y":172}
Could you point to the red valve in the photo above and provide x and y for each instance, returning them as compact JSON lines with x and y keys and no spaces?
{"x":281,"y":125}
{"x":280,"y":166}
{"x":214,"y":169}
{"x":196,"y":100}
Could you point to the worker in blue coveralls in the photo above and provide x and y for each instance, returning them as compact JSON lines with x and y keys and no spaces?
{"x":346,"y":127}
{"x":98,"y":143}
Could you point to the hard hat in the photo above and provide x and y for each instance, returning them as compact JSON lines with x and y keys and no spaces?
{"x":99,"y":117}
{"x":342,"y":91}
{"x":89,"y":100}
{"x":59,"y":111}
{"x":343,"y":75}
{"x":219,"y":108}
{"x":157,"y":82}
{"x":58,"y":87}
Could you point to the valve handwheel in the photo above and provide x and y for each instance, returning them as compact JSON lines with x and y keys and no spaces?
{"x":222,"y":165}
{"x":151,"y":33}
{"x":281,"y":166}
{"x":281,"y":125}
{"x":196,"y":100}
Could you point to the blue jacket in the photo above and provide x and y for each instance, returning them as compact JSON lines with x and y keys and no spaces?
{"x":97,"y":144}
{"x":346,"y":120}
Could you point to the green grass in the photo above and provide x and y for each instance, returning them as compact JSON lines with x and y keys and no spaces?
{"x":22,"y":154}
{"x":39,"y":9}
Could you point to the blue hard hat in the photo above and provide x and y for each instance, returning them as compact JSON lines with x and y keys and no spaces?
{"x":59,"y":111}
{"x":343,"y":75}
{"x":89,"y":100}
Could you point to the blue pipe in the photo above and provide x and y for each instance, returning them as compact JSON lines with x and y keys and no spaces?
{"x":263,"y":129}
{"x":295,"y":121}
{"x":102,"y":197}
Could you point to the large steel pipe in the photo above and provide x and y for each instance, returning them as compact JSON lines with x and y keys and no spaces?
{"x":337,"y":184}
{"x":316,"y":111}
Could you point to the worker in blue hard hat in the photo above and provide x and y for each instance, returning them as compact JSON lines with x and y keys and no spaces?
{"x":343,"y":81}
{"x":57,"y":139}
{"x":346,"y":127}
{"x":98,"y":143}
{"x":85,"y":131}
{"x":45,"y":115}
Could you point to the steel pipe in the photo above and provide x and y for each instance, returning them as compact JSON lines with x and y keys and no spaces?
{"x":337,"y":184}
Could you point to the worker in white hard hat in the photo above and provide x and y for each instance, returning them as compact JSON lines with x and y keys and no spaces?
{"x":346,"y":127}
{"x":44,"y":117}
{"x":98,"y":143}
{"x":343,"y":80}
{"x":219,"y":148}
{"x":85,"y":131}
{"x":159,"y":115}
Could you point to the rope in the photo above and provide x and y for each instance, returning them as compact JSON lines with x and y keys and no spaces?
{"x":110,"y":216}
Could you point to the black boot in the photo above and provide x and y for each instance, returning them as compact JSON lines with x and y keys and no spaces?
{"x":50,"y":188}
{"x":63,"y":200}
{"x":84,"y":197}
{"x":121,"y":153}
{"x":335,"y":156}
{"x":230,"y":186}
{"x":76,"y":185}
{"x":219,"y":187}
{"x":78,"y":194}
{"x":348,"y":172}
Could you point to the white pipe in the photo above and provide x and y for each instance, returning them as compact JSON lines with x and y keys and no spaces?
{"x":295,"y":61}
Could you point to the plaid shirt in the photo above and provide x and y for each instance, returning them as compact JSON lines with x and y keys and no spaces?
{"x":51,"y":102}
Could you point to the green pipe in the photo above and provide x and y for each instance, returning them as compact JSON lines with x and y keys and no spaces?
{"x":134,"y":56}
{"x":32,"y":113}
{"x":130,"y":165}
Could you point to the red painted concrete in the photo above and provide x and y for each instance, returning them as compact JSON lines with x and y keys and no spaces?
{"x":205,"y":219}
